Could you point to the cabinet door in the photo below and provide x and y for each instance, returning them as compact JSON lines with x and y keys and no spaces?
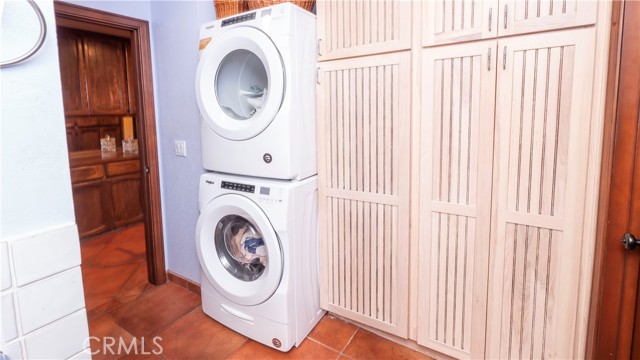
{"x":72,"y":73}
{"x":452,"y":21}
{"x":527,"y":16}
{"x":538,"y":251}
{"x":457,"y":152}
{"x":90,"y":210}
{"x":106,"y":76}
{"x":348,"y":28}
{"x":363,"y":169}
{"x":125,"y":202}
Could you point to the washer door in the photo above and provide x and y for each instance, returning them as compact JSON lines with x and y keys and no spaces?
{"x":238,"y":249}
{"x":240,"y":83}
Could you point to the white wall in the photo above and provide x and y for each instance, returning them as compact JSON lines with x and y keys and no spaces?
{"x":39,"y":246}
{"x":176,"y":27}
{"x":36,"y":185}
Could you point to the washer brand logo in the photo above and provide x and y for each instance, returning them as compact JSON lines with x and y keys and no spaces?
{"x":276,"y":342}
{"x":267,"y":158}
{"x":210,"y":182}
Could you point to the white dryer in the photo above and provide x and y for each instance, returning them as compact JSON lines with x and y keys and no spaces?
{"x":255,"y":87}
{"x":258,"y":250}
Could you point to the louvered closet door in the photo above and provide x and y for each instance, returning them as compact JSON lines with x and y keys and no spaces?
{"x":527,"y":16}
{"x":363,"y":159}
{"x":348,"y":28}
{"x":452,"y":21}
{"x":543,"y":124}
{"x":457,"y":151}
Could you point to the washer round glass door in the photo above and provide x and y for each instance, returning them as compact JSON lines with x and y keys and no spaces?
{"x":240,"y":83}
{"x":238,"y":249}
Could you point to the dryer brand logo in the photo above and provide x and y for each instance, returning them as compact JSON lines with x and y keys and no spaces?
{"x":210,"y":27}
{"x":267,"y":158}
{"x":210,"y":182}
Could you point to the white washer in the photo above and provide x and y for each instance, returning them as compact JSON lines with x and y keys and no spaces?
{"x":273,"y":298}
{"x":255,"y":87}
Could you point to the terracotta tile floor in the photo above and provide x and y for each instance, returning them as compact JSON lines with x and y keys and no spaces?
{"x":121,"y":304}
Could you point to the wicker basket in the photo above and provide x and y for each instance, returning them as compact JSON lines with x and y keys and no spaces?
{"x":256,"y":4}
{"x":226,"y":8}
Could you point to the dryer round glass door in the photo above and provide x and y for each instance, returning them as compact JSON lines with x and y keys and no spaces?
{"x":240,"y":83}
{"x":238,"y":249}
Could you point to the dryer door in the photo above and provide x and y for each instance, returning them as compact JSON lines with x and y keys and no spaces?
{"x":240,"y":83}
{"x":238,"y":249}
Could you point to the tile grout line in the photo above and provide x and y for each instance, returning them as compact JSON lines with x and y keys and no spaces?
{"x":348,"y":342}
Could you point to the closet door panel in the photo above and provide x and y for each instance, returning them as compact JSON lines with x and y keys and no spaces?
{"x":363,"y":137}
{"x":457,"y":150}
{"x":544,"y":84}
{"x":452,"y":21}
{"x":348,"y":28}
{"x":528,"y":16}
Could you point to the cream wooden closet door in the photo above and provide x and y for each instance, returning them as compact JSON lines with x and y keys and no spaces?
{"x":527,"y":16}
{"x":348,"y":28}
{"x":458,"y":21}
{"x":542,"y":139}
{"x":457,"y":152}
{"x":363,"y":181}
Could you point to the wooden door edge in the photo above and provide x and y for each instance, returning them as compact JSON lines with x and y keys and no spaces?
{"x":611,"y":100}
{"x":112,"y":24}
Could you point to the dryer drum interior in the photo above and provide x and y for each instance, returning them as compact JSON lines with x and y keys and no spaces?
{"x":241,"y":84}
{"x":240,"y":247}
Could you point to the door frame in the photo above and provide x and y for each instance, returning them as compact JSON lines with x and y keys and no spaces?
{"x":83,"y":18}
{"x":596,"y":322}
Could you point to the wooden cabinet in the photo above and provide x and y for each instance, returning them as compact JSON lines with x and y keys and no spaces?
{"x":356,"y":28}
{"x":85,"y":132}
{"x":94,"y":73}
{"x":457,"y":21}
{"x":89,"y":202}
{"x":106,"y":75}
{"x":466,"y":20}
{"x":541,"y":175}
{"x":363,"y":105}
{"x":106,"y":191}
{"x":72,"y":73}
{"x":457,"y":133}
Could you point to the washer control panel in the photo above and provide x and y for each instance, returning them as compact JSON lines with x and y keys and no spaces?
{"x":238,"y":187}
{"x":270,"y":195}
{"x":238,"y":19}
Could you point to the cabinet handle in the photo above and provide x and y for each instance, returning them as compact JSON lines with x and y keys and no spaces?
{"x":318,"y":76}
{"x":506,"y":10}
{"x":319,"y":54}
{"x":504,"y":58}
{"x":489,"y":59}
{"x":490,"y":17}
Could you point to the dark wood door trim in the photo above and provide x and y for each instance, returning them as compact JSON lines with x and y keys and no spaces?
{"x":602,"y":340}
{"x":137,"y":31}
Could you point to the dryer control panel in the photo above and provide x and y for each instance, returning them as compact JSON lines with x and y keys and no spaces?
{"x":238,"y":19}
{"x":238,"y":187}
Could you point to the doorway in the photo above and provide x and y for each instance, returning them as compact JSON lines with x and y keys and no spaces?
{"x":615,"y":312}
{"x":136,"y":32}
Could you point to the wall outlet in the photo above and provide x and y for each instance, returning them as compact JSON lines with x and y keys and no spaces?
{"x":181,"y":148}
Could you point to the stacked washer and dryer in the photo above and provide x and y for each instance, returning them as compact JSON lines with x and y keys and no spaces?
{"x":257,"y":232}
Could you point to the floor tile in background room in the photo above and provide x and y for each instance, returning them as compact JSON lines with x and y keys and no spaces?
{"x":122,"y":304}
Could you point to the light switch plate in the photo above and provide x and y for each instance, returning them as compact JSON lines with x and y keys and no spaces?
{"x":181,"y":148}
